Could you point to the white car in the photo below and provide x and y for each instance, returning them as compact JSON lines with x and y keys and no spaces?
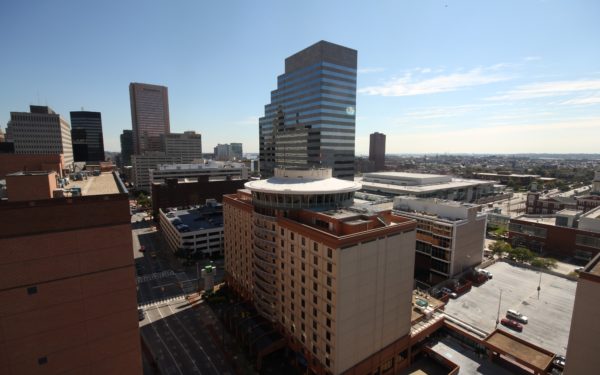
{"x":487,"y":273}
{"x":514,"y":314}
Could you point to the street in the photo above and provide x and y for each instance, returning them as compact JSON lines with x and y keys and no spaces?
{"x":179,"y":337}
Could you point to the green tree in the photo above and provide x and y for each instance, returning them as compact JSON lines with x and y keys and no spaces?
{"x":522,"y":254}
{"x":500,"y":247}
{"x":143,"y":200}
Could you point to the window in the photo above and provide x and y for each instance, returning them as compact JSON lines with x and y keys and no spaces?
{"x":314,"y":324}
{"x":315,"y":246}
{"x":303,"y":254}
{"x":315,"y":299}
{"x":329,"y":295}
{"x":329,"y":267}
{"x":314,"y":312}
{"x":328,"y":281}
{"x":42,"y":360}
{"x":315,"y":287}
{"x":315,"y":273}
{"x":292,"y":235}
{"x":316,"y":260}
{"x":303,"y":241}
{"x":328,"y":335}
{"x":328,"y":309}
{"x":329,"y":253}
{"x":32,"y":290}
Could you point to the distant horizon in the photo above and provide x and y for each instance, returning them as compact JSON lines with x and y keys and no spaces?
{"x":527,"y":80}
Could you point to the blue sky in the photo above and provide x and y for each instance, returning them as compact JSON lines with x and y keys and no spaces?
{"x":435,"y":76}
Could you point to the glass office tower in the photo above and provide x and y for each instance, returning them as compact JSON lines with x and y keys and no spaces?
{"x":310,"y":121}
{"x":86,"y":136}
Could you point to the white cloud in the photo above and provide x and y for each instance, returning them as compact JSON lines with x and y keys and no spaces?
{"x":439,"y":112}
{"x":408,"y":85}
{"x":532,"y":58}
{"x":548,"y":89}
{"x":543,"y":136}
{"x":370,"y":70}
{"x":586,"y":100}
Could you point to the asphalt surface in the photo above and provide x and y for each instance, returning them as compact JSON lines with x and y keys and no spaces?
{"x":181,"y":338}
{"x":549,"y":316}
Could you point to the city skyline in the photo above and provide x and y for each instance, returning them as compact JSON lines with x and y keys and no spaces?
{"x":522,"y":74}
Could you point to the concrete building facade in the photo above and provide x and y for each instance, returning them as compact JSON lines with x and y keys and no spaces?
{"x":194,"y":230}
{"x":86,"y":136}
{"x":377,"y":150}
{"x":310,"y":121}
{"x":142,"y":164}
{"x":149,"y":116}
{"x":237,"y":152}
{"x":450,"y":236}
{"x":67,"y":285}
{"x":336,"y":283}
{"x":583,"y":347}
{"x":40,"y":132}
{"x":187,"y":146}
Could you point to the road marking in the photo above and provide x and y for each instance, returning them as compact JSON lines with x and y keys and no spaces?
{"x":176,"y":338}
{"x":165,"y":345}
{"x":195,"y":341}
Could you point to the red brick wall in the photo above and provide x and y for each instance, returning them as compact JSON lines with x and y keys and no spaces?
{"x":11,"y":163}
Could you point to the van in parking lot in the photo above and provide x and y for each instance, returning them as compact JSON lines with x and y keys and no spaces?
{"x":515,"y":315}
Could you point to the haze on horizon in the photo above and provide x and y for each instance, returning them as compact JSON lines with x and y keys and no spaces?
{"x":434,"y":76}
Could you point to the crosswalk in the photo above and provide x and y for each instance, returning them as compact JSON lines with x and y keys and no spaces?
{"x":162,"y":302}
{"x":155,"y":276}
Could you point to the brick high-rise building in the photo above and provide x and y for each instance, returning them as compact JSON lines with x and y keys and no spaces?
{"x":377,"y":150}
{"x":149,"y":116}
{"x":310,"y":121}
{"x":86,"y":136}
{"x":40,"y":131}
{"x":67,"y":281}
{"x":335,"y":281}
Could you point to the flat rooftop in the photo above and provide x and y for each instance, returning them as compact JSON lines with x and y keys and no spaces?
{"x":285,"y":185}
{"x":456,"y":183}
{"x":198,"y":218}
{"x":96,"y":185}
{"x":548,"y":220}
{"x":519,"y":349}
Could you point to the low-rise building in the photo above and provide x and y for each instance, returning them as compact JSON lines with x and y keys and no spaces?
{"x":538,"y":204}
{"x":568,"y":233}
{"x":142,"y":164}
{"x":194,"y":230}
{"x":215,"y":170}
{"x":179,"y":193}
{"x":450,"y":236}
{"x":426,"y":186}
{"x":11,"y":163}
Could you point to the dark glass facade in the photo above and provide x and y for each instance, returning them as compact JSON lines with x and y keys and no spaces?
{"x":86,"y":136}
{"x":310,"y":121}
{"x":377,"y":150}
{"x":126,"y":146}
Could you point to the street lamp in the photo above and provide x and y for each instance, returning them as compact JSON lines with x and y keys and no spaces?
{"x":499,"y":303}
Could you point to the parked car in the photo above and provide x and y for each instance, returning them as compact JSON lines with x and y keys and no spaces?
{"x":449,"y":292}
{"x":578,"y":269}
{"x":559,"y":361}
{"x":515,"y":315}
{"x":487,"y":273}
{"x":512,"y":324}
{"x":141,"y":314}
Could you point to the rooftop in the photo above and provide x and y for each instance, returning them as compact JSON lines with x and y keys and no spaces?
{"x":455,"y":183}
{"x":521,"y":350}
{"x":105,"y":183}
{"x":196,"y":166}
{"x":541,"y":219}
{"x":592,"y":214}
{"x":317,"y":181}
{"x":197,"y":218}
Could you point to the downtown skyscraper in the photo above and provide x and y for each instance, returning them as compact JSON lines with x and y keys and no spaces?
{"x":311,"y":120}
{"x":86,"y":136}
{"x":149,"y":116}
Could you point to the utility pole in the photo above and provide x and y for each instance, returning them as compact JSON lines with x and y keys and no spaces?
{"x":499,"y":303}
{"x":539,"y":285}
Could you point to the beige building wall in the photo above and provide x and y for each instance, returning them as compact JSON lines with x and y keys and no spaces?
{"x":374,"y":291}
{"x":469,"y":240}
{"x":584,"y":348}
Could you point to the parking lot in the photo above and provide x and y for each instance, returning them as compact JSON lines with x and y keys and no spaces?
{"x":549,"y":316}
